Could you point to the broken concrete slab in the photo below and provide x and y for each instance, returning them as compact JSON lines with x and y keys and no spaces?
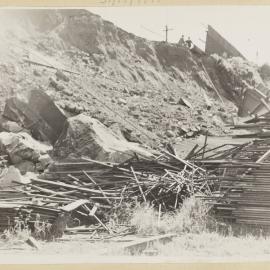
{"x":38,"y":113}
{"x":22,"y":150}
{"x":86,"y":136}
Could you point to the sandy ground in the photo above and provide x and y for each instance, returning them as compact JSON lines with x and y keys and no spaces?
{"x":206,"y":247}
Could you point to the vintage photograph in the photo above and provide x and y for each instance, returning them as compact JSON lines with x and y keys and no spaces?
{"x":135,"y":133}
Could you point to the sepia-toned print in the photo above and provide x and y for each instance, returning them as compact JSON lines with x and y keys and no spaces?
{"x":135,"y":134}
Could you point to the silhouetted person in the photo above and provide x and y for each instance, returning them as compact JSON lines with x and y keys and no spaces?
{"x":181,"y":41}
{"x":189,"y":42}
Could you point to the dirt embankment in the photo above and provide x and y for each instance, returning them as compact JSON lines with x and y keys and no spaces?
{"x":148,"y":91}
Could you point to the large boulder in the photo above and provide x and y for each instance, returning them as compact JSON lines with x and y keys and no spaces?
{"x":86,"y":136}
{"x":22,"y":149}
{"x":37,"y":112}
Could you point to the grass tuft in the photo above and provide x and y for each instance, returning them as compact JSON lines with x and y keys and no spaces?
{"x":19,"y":233}
{"x":192,"y":217}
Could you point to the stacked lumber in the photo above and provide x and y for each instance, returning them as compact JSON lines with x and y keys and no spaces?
{"x":24,"y":214}
{"x":9,"y":215}
{"x":242,"y":175}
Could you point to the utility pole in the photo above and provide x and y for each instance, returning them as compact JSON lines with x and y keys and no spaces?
{"x":166,"y":32}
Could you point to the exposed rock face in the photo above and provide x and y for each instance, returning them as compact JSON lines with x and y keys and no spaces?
{"x":86,"y":136}
{"x":150,"y":76}
{"x":142,"y":80}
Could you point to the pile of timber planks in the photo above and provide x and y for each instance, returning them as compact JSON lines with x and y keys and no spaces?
{"x":242,"y":175}
{"x":90,"y":191}
{"x":166,"y":182}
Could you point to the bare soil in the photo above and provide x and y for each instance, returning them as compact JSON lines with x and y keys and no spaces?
{"x":205,"y":247}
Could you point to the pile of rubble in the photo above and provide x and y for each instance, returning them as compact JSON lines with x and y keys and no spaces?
{"x":90,"y":192}
{"x":76,"y":175}
{"x":82,"y":174}
{"x":146,"y":82}
{"x":72,"y":163}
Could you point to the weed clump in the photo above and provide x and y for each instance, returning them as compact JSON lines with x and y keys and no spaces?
{"x":193,"y":217}
{"x":19,"y":232}
{"x":145,"y":220}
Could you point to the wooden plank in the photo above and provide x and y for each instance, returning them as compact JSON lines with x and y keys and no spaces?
{"x":138,"y":246}
{"x":137,"y":181}
{"x":88,"y":190}
{"x":74,"y":205}
{"x":33,"y":243}
{"x":49,"y":66}
{"x":94,"y":182}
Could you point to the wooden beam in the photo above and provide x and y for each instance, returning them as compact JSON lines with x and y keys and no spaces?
{"x":138,"y":246}
{"x":58,"y":184}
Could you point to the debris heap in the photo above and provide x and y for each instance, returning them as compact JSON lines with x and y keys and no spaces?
{"x":83,"y":189}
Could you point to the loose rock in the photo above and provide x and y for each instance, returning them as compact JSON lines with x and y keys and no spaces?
{"x":22,"y":147}
{"x":37,"y":112}
{"x":60,"y":75}
{"x":11,"y":176}
{"x":86,"y":136}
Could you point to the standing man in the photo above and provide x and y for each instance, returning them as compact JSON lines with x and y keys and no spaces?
{"x":181,"y":42}
{"x":189,"y":43}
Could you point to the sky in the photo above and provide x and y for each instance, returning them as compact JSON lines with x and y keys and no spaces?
{"x":245,"y":27}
